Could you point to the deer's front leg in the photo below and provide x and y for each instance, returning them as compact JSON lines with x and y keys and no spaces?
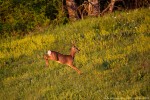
{"x":75,"y":68}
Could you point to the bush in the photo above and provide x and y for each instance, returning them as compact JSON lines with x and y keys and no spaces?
{"x":19,"y":17}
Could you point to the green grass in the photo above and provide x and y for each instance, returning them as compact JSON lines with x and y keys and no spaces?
{"x":114,"y":58}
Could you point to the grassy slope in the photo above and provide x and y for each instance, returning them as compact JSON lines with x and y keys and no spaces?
{"x":114,"y":59}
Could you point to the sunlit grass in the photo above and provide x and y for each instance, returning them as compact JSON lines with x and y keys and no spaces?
{"x":114,"y":58}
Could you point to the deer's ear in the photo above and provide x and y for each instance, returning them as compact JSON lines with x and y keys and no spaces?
{"x":73,"y":43}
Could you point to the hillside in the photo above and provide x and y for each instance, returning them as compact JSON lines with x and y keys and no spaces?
{"x":114,"y":59}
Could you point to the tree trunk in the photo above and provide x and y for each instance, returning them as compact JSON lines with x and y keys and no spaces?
{"x":94,"y":8}
{"x":71,"y":7}
{"x":112,"y":5}
{"x":109,"y":8}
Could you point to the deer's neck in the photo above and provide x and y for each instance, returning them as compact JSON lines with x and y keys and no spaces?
{"x":72,"y":53}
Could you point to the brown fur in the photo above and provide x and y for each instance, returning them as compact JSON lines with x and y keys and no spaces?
{"x":63,"y":59}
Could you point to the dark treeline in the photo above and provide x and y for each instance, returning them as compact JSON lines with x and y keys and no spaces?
{"x":19,"y":17}
{"x":22,"y":16}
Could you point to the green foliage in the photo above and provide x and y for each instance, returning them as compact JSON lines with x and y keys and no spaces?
{"x":19,"y":17}
{"x":114,"y":58}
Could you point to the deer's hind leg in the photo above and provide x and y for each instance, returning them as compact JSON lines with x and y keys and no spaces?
{"x":46,"y":59}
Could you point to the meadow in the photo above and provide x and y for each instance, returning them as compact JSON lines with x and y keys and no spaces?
{"x":114,"y":59}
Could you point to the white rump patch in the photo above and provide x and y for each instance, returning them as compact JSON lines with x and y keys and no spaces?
{"x":49,"y":52}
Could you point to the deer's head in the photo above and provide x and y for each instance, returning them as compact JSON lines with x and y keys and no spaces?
{"x":74,"y":49}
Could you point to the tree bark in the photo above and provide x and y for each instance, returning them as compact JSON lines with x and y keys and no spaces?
{"x":94,"y":8}
{"x":72,"y":8}
{"x":112,"y":5}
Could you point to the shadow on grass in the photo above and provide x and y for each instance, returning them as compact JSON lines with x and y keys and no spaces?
{"x":102,"y":67}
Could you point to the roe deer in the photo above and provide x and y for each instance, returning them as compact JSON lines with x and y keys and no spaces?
{"x":63,"y":59}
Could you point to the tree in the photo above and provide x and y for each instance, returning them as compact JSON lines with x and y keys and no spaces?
{"x":72,"y":8}
{"x":111,"y":6}
{"x":94,"y":8}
